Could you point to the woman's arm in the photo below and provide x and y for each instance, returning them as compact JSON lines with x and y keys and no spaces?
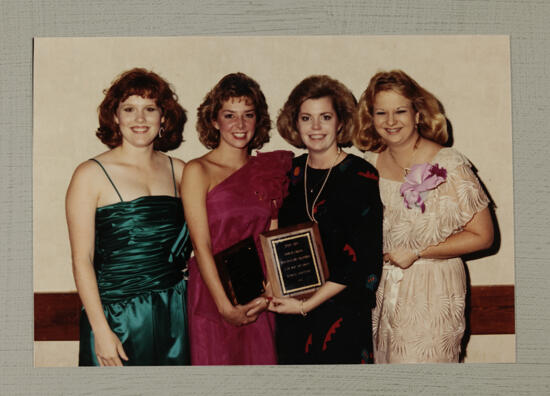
{"x":80,"y":205}
{"x":287,"y":305}
{"x":476,"y":235}
{"x":194,"y":188}
{"x":355,"y":247}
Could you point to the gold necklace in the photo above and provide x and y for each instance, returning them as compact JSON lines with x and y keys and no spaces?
{"x":312,"y":214}
{"x":407,"y":170}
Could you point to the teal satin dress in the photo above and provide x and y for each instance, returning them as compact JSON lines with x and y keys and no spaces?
{"x":140,"y":252}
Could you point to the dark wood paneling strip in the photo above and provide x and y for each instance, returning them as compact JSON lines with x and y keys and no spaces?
{"x":490,"y":311}
{"x":56,"y":316}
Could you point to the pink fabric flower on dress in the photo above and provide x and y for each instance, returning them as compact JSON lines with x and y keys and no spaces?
{"x":421,"y":179}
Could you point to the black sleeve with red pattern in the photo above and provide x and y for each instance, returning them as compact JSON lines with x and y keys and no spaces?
{"x":353,"y":243}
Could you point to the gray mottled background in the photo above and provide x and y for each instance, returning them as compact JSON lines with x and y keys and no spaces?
{"x":526,"y":22}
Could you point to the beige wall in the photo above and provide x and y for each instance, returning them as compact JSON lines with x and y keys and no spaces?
{"x":469,"y":74}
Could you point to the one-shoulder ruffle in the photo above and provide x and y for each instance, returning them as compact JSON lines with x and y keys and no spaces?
{"x":270,"y":178}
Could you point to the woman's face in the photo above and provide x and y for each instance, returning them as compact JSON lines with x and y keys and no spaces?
{"x":236,"y":122}
{"x":139,"y":120}
{"x":318,"y":124}
{"x":394,"y":118}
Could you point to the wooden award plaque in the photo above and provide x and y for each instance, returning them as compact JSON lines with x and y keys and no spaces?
{"x":295,"y":260}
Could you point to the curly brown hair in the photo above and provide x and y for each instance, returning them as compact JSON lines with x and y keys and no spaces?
{"x":432,"y":123}
{"x":234,"y":85}
{"x":315,"y":87}
{"x":146,"y":84}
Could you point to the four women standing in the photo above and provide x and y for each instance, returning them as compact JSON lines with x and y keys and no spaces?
{"x":434,"y":211}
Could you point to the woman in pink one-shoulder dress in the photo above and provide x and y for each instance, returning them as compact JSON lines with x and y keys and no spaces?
{"x":231,"y":195}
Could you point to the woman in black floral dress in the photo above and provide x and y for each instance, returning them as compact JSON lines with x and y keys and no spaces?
{"x":339,"y":191}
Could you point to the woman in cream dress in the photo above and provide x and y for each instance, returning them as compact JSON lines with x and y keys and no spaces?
{"x":434,"y":211}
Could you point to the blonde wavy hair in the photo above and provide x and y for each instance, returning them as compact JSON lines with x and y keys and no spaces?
{"x":432,"y":122}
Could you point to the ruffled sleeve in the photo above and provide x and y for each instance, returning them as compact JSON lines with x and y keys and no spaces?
{"x":460,"y":197}
{"x":270,"y":178}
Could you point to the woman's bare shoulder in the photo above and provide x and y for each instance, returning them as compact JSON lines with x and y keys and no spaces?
{"x":88,"y":169}
{"x":86,"y":182}
{"x":107,"y":157}
{"x":198,"y":170}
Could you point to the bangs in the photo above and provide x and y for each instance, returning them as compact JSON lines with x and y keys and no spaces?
{"x":238,"y":98}
{"x":143,"y":86}
{"x":144,"y":92}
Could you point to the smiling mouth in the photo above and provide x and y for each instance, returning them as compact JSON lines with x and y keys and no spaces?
{"x":143,"y":129}
{"x":392,"y":130}
{"x":239,"y":135}
{"x":316,"y":136}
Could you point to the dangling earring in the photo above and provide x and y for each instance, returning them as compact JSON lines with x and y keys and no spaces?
{"x":160,"y":131}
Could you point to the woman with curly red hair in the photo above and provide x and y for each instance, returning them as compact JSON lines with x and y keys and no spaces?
{"x":127,"y":231}
{"x":230,"y":195}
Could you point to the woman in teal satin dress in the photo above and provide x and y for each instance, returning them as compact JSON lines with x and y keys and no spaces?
{"x":129,"y":240}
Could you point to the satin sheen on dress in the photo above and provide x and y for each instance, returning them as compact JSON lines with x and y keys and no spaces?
{"x":240,"y":206}
{"x":140,"y":251}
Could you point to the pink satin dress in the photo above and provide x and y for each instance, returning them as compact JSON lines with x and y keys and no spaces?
{"x":240,"y":206}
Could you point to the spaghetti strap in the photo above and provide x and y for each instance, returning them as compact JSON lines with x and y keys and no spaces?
{"x":108,"y":177}
{"x":173,"y":177}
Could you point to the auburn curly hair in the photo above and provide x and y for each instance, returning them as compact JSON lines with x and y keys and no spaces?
{"x":432,"y":123}
{"x":146,"y":84}
{"x":234,"y":85}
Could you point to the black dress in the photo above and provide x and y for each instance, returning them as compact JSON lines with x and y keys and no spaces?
{"x":349,"y":213}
